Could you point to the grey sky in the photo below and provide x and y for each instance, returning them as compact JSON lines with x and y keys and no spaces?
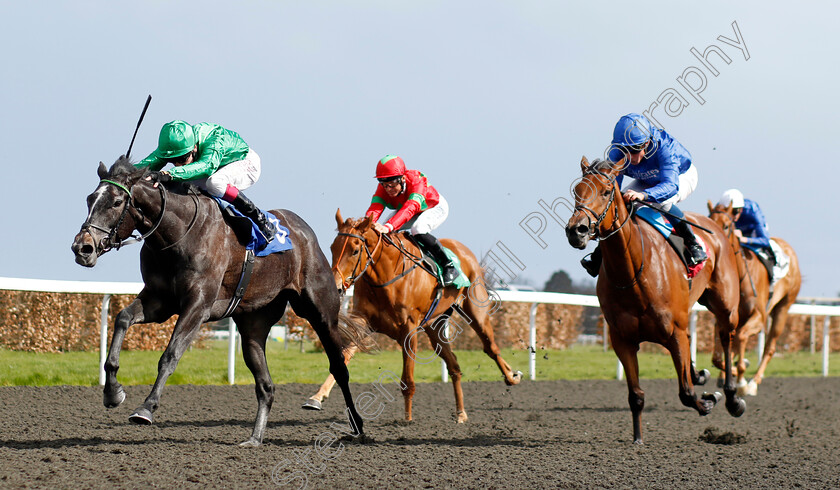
{"x":494,"y":101}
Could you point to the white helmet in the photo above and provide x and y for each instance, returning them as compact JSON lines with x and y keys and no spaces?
{"x":733,"y":196}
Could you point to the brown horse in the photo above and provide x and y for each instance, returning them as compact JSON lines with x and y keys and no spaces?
{"x":191,"y":262}
{"x":643,"y":290}
{"x":395,"y":294}
{"x":756,"y":301}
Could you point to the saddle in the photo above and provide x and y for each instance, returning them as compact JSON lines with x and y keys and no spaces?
{"x":661,"y":224}
{"x":435,"y":269}
{"x":248,"y":235}
{"x":767,"y":258}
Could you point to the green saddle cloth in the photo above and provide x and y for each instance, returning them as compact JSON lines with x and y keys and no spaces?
{"x":462,"y":280}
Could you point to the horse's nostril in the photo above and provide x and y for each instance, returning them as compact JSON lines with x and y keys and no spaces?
{"x":582,"y":229}
{"x":87,"y":249}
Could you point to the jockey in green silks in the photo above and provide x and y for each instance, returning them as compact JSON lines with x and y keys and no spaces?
{"x":215,"y":159}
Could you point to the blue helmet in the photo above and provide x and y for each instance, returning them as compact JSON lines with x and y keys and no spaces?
{"x":632,"y":130}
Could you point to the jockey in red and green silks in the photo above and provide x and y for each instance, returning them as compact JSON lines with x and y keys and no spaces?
{"x":214,"y":158}
{"x":418,"y":207}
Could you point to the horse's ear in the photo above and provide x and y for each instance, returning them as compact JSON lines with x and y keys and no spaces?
{"x":710,"y":206}
{"x":102,"y":171}
{"x":616,"y":167}
{"x":584,"y":163}
{"x":338,"y":219}
{"x":729,"y":209}
{"x":366,"y":223}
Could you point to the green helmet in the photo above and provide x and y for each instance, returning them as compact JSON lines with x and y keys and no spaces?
{"x":176,"y":139}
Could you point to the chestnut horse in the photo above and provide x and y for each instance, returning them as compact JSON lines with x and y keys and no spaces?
{"x":395,"y":294}
{"x":643,"y":290}
{"x":756,"y":301}
{"x":191,"y":262}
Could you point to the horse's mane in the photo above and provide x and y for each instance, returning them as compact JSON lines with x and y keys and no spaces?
{"x":601,"y":165}
{"x":125,"y":168}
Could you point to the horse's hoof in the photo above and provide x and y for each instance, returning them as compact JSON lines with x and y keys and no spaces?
{"x":141,"y":416}
{"x":360,"y":438}
{"x":250,"y":443}
{"x":708,"y":402}
{"x":638,"y":442}
{"x":516,"y":377}
{"x":461,"y":418}
{"x":311,"y":404}
{"x":114,"y":400}
{"x":750,"y":390}
{"x":737,"y":407}
{"x":702,"y":376}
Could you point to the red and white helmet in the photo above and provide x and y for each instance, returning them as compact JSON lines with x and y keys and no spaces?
{"x":390,"y":166}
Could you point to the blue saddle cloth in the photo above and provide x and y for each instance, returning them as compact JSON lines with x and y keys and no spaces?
{"x":656,"y":219}
{"x":282,"y":241}
{"x":663,"y":225}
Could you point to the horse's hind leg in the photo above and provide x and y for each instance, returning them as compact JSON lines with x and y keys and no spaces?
{"x":627,"y":354}
{"x":322,"y":314}
{"x":185,"y":329}
{"x":254,"y":333}
{"x":727,"y":320}
{"x":678,"y":346}
{"x":444,"y":350}
{"x":315,"y":401}
{"x":479,"y":320}
{"x":777,"y":326}
{"x":144,"y":308}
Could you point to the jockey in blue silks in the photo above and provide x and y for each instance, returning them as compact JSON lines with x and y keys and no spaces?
{"x":662,"y":173}
{"x":751,"y":227}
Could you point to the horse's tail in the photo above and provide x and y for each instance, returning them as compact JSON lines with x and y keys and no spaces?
{"x":355,"y":330}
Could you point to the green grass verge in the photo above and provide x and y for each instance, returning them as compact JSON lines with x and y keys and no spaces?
{"x":209,"y":366}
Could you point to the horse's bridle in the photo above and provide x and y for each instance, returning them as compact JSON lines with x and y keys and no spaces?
{"x":348,"y":282}
{"x":599,"y":218}
{"x":108,"y":243}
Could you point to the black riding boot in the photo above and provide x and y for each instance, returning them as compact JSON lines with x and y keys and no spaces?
{"x":430,"y":243}
{"x":249,"y":209}
{"x":592,"y":262}
{"x":683,"y":229}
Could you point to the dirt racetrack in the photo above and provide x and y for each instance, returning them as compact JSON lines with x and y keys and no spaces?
{"x":538,"y":434}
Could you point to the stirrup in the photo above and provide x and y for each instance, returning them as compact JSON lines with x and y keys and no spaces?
{"x":448,"y":274}
{"x":697,"y":255}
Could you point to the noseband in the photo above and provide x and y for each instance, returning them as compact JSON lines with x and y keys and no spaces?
{"x":112,"y":234}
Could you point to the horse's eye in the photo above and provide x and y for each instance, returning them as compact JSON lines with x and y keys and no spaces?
{"x":118,"y":203}
{"x":355,"y":252}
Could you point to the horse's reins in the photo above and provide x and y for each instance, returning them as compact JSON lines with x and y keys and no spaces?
{"x":600,"y":218}
{"x":416,"y":261}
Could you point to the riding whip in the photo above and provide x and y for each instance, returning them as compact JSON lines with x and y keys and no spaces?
{"x":142,"y":115}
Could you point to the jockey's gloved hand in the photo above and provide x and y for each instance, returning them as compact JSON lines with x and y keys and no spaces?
{"x":162,"y":177}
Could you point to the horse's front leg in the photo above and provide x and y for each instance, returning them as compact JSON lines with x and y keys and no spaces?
{"x":185,"y":329}
{"x":144,"y":308}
